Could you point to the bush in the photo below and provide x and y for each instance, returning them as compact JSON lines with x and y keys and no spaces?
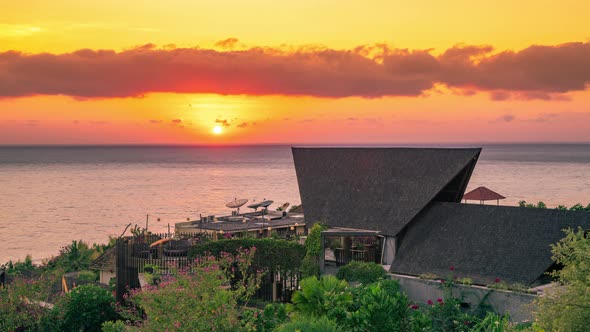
{"x":116,"y":326}
{"x":85,"y":308}
{"x":310,"y":266}
{"x":379,"y":307}
{"x":18,"y":309}
{"x":201,"y":299}
{"x":309,"y":324}
{"x":362,"y":272}
{"x":566,"y":307}
{"x":87,"y":276}
{"x":325,"y":296}
{"x":271,"y":254}
{"x":262,"y":321}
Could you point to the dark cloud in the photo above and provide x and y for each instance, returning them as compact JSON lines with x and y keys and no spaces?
{"x":506,"y":118}
{"x":156,"y":121}
{"x":223,"y":122}
{"x":537,"y":72}
{"x":242,"y":125}
{"x":228,"y":43}
{"x":176,"y":121}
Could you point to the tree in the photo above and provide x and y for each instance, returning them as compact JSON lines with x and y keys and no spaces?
{"x":566,"y":306}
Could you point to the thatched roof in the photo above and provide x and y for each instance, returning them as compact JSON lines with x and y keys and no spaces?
{"x":105,"y":262}
{"x":484,"y":242}
{"x":378,"y":188}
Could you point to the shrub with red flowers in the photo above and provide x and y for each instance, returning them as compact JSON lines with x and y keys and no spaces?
{"x":211,"y":295}
{"x":20,"y":303}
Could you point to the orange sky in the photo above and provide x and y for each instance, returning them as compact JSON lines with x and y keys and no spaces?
{"x":93,"y":72}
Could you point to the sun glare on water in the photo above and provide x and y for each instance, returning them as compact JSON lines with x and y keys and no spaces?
{"x":217,"y":130}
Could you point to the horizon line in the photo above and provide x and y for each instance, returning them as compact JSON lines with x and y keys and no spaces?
{"x":294,"y":144}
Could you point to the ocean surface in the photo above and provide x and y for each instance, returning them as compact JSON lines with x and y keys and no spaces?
{"x":53,"y":195}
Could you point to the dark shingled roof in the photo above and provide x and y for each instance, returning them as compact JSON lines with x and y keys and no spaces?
{"x":105,"y":262}
{"x":482,"y":194}
{"x":378,"y":188}
{"x":484,"y":242}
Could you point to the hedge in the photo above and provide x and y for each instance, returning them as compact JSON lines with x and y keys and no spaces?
{"x":270,"y":253}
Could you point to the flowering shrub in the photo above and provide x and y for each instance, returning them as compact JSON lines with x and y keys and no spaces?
{"x":19,"y":303}
{"x":212,"y":295}
{"x":271,"y":255}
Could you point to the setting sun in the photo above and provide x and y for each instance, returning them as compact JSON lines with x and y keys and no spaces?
{"x":217,"y":130}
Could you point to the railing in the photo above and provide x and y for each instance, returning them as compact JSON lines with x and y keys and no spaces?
{"x":370,"y":252}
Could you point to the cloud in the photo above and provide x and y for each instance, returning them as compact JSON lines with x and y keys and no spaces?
{"x":242,"y":125}
{"x":223,"y":122}
{"x":155,"y":121}
{"x":176,"y":121}
{"x":537,"y":72}
{"x":505,"y":118}
{"x":228,"y":43}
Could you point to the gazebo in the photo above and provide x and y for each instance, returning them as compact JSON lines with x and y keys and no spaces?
{"x":482,"y":194}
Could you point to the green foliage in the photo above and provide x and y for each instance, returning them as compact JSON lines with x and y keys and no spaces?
{"x":539,"y":205}
{"x":268,"y":320}
{"x":74,"y":257}
{"x":19,"y":268}
{"x":465,"y":281}
{"x":325,"y":296}
{"x":84,"y":308}
{"x":116,"y":326}
{"x":201,"y":299}
{"x":310,"y":324}
{"x":19,"y":302}
{"x":271,"y":254}
{"x":428,"y":276}
{"x":313,"y":243}
{"x":379,"y":307}
{"x":87,"y":276}
{"x":310,"y":266}
{"x":493,"y":322}
{"x":566,"y":307}
{"x":362,"y":271}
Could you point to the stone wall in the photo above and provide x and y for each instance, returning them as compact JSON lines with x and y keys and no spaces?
{"x":517,"y":305}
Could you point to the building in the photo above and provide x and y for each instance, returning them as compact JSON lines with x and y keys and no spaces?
{"x":411,"y":199}
{"x":254,"y":224}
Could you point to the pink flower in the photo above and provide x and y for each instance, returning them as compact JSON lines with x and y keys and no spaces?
{"x":414,"y":307}
{"x":452,"y":268}
{"x":430,"y":302}
{"x":497,"y":280}
{"x":439,"y":300}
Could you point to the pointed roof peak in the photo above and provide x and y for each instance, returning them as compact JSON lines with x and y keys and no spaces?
{"x":379,"y":188}
{"x":482,"y":194}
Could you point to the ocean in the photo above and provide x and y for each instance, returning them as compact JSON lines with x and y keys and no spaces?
{"x":53,"y":195}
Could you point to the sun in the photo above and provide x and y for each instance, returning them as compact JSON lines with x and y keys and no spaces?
{"x":217,"y":130}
